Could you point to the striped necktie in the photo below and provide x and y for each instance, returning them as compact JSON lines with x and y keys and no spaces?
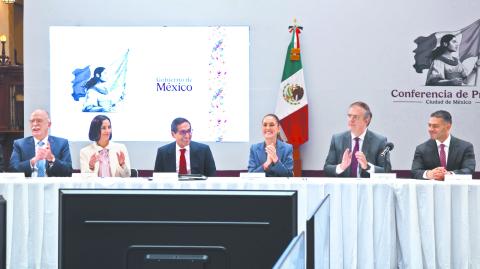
{"x":41,"y":170}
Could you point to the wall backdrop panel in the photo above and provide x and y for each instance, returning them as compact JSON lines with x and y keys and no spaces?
{"x":352,"y":50}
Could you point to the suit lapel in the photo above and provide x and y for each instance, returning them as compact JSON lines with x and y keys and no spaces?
{"x":366,"y":145}
{"x":432,"y":147}
{"x":452,"y":153}
{"x":194,"y":159}
{"x":172,"y":158}
{"x":53,"y":147}
{"x":261,"y":154}
{"x":346,"y":143}
{"x":279,"y":149}
{"x":30,"y":147}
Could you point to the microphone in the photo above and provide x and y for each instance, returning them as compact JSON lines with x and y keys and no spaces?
{"x":388,"y":147}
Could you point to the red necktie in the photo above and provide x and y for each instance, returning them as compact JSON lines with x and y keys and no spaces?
{"x":443,"y":156}
{"x":354,"y":163}
{"x":182,"y":167}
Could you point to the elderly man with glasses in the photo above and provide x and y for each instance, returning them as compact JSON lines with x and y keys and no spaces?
{"x":41,"y":154}
{"x":184,"y":156}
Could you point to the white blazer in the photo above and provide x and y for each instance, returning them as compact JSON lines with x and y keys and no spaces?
{"x":113,"y":148}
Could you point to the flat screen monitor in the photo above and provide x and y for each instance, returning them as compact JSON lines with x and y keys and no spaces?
{"x":318,"y":235}
{"x":188,"y":229}
{"x":294,"y":256}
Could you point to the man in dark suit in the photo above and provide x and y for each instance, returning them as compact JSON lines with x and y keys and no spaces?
{"x":443,"y":153}
{"x":184,"y":156}
{"x":357,"y":152}
{"x":41,"y":154}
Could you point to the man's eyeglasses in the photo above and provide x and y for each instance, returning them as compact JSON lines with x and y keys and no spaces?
{"x":185,"y":132}
{"x":353,"y":117}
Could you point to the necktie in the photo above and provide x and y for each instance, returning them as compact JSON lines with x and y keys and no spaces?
{"x":354,"y":163}
{"x":41,"y":171}
{"x":443,"y":156}
{"x":104,"y":164}
{"x":182,"y":167}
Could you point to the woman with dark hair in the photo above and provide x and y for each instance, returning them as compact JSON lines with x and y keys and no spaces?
{"x":446,"y":69}
{"x":104,"y":157}
{"x":273,"y":156}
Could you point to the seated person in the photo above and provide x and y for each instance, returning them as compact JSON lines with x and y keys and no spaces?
{"x":104,"y":157}
{"x":443,"y":153}
{"x":357,"y":152}
{"x":41,"y":155}
{"x":273,"y":156}
{"x":184,"y":156}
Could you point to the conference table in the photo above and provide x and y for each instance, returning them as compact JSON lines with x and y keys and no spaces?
{"x":366,"y":223}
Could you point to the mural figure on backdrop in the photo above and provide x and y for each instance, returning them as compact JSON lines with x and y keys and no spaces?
{"x":105,"y":89}
{"x":444,"y":54}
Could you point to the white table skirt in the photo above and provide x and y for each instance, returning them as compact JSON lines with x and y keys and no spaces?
{"x":372,"y":223}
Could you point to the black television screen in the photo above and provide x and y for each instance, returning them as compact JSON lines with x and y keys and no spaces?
{"x":188,"y":229}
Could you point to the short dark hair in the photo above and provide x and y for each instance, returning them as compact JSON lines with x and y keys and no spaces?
{"x":177,"y":122}
{"x":368,"y":112}
{"x":96,"y":126}
{"x":443,"y":114}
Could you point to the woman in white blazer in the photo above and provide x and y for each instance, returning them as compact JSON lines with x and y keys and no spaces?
{"x":104,"y":157}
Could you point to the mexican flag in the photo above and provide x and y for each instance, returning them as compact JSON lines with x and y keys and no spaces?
{"x":292,"y":106}
{"x":468,"y":37}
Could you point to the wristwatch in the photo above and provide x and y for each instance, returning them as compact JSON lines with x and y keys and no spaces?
{"x":50,"y":163}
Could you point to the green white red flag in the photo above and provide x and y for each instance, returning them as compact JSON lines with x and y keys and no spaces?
{"x":292,"y":106}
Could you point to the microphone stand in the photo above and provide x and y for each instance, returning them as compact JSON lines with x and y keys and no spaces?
{"x":388,"y":167}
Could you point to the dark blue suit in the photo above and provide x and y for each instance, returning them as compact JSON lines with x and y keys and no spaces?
{"x":24,"y":151}
{"x":201,"y":159}
{"x":284,"y":166}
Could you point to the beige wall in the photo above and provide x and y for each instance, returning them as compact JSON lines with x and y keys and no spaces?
{"x":11,"y":25}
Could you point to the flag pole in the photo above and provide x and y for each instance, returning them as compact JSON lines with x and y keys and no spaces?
{"x":297,"y":161}
{"x":292,"y":105}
